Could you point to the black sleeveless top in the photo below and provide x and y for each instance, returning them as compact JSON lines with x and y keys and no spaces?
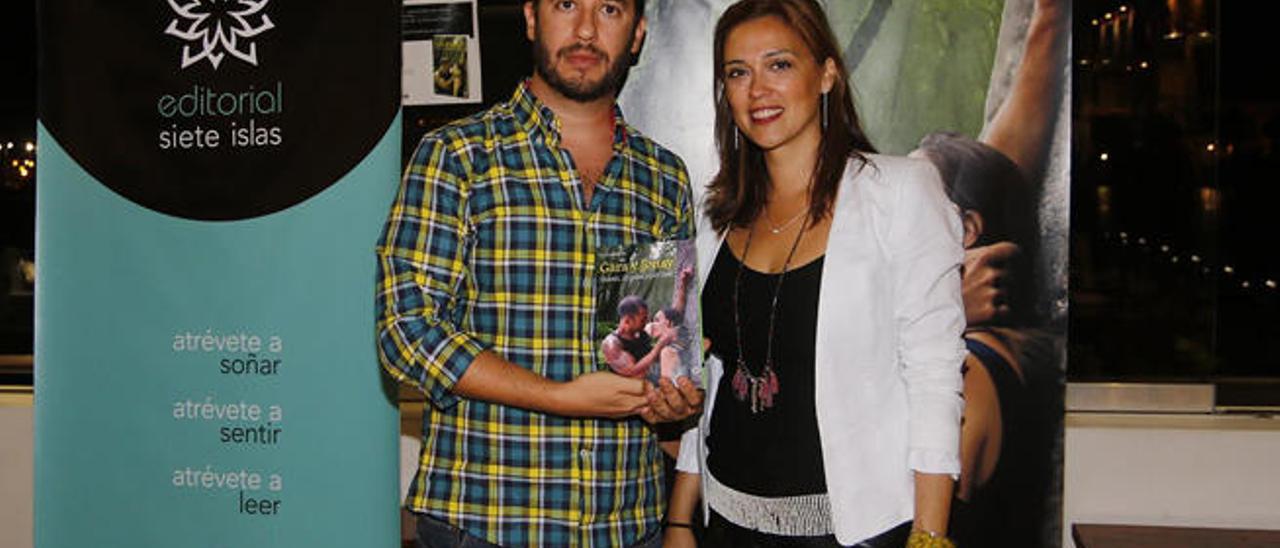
{"x":775,"y":452}
{"x":1009,"y":509}
{"x":638,"y":347}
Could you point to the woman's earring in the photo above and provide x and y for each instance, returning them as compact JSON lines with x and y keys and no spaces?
{"x":735,"y":137}
{"x":824,"y":111}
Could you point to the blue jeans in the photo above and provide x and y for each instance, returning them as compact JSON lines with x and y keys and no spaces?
{"x":433,"y":533}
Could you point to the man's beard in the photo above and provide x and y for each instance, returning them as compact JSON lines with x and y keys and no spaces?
{"x":582,"y":90}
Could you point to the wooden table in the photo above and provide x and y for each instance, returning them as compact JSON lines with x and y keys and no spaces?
{"x":1092,"y":535}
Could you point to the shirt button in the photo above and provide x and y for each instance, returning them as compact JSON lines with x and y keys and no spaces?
{"x":585,"y":453}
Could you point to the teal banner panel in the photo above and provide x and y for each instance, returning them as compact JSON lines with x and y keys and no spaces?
{"x":213,"y":178}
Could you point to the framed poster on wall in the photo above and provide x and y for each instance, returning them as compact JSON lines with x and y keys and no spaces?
{"x":441,"y":52}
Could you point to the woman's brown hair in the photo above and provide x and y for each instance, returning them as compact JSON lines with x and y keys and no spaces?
{"x":738,"y":192}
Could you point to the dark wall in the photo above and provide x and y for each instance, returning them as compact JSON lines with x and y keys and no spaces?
{"x":505,"y":57}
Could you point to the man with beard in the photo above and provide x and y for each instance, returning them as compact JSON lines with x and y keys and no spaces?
{"x":485,"y":300}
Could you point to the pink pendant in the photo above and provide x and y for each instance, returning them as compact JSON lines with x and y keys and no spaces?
{"x":768,"y":388}
{"x":760,"y":390}
{"x":740,"y":383}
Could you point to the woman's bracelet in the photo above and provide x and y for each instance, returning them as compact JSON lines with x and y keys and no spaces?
{"x":677,"y":524}
{"x":921,"y":538}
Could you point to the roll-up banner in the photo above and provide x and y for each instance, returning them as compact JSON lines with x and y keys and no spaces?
{"x":213,"y":178}
{"x":980,"y":88}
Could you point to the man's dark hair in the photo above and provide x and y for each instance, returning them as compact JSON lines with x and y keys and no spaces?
{"x":631,"y":305}
{"x":639,"y":4}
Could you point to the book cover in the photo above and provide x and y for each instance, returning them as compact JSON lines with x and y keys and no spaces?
{"x":450,"y":65}
{"x":647,"y":315}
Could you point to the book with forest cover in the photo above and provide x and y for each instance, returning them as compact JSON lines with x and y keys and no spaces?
{"x":647,"y":316}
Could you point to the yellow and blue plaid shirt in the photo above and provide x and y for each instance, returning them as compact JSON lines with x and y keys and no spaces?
{"x":489,"y":246}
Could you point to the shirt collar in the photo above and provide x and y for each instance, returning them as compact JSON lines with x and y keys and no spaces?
{"x":535,"y":117}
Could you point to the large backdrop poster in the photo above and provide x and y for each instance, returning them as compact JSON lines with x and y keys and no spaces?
{"x":213,"y":179}
{"x":995,"y":73}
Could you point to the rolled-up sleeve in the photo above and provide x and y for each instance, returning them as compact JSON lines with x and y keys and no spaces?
{"x":929,"y":311}
{"x":689,"y":461}
{"x":421,"y":276}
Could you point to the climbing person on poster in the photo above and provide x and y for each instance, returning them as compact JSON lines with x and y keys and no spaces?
{"x":1012,"y":380}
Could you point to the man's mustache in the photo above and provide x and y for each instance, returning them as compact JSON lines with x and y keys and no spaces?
{"x":582,"y":48}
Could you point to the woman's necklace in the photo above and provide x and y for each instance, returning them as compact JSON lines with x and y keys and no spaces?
{"x":763,"y":387}
{"x":777,"y":229}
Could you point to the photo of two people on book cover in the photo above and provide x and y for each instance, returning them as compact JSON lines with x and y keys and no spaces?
{"x":645,"y":303}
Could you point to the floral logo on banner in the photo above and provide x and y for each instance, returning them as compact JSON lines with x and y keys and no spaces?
{"x":215,"y":28}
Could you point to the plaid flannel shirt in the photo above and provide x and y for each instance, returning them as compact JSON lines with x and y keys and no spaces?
{"x":488,"y":246}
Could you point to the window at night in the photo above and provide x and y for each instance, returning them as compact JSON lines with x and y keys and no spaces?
{"x":1176,"y":144}
{"x":18,"y":164}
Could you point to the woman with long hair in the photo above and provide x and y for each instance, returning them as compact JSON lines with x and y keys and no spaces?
{"x":831,"y":298}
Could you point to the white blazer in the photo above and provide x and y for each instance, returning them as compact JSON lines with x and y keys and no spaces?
{"x":889,"y":347}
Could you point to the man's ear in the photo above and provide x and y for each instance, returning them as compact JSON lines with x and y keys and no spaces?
{"x":973,"y":225}
{"x":530,"y":19}
{"x":637,"y":40}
